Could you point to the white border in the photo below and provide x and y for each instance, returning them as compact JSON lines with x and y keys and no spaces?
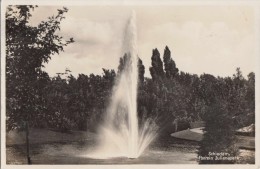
{"x":3,"y":150}
{"x":257,"y":86}
{"x":254,"y":3}
{"x":130,"y":2}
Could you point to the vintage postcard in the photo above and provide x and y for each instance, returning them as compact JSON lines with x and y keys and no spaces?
{"x":169,"y":84}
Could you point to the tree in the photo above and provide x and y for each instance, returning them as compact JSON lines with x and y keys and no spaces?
{"x":57,"y":94}
{"x":169,"y":65}
{"x":237,"y":98}
{"x":27,"y":48}
{"x":220,"y":128}
{"x":219,"y":135}
{"x":141,"y":71}
{"x":156,"y":70}
{"x":125,"y":61}
{"x":250,"y":95}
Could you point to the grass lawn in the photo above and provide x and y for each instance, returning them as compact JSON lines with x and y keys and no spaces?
{"x":244,"y":142}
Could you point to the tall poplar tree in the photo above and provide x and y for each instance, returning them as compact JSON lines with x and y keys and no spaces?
{"x":156,"y":70}
{"x":169,"y":65}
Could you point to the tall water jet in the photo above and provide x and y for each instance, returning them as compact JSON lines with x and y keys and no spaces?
{"x":120,"y":135}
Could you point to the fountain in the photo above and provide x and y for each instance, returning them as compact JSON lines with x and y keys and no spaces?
{"x":120,"y":135}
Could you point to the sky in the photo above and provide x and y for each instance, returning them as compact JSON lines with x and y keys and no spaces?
{"x":202,"y":39}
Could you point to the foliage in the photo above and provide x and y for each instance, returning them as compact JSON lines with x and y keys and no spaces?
{"x":27,"y":48}
{"x":219,"y":135}
{"x":76,"y":103}
{"x":156,"y":70}
{"x":169,"y":65}
{"x":124,"y":61}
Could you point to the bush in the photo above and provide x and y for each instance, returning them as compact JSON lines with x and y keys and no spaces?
{"x":219,"y":136}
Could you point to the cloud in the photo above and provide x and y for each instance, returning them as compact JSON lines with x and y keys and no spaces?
{"x":97,"y":45}
{"x":199,"y":48}
{"x":90,"y":35}
{"x":215,"y":41}
{"x":88,"y":31}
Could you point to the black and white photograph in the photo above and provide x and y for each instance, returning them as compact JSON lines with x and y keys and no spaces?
{"x":125,"y":83}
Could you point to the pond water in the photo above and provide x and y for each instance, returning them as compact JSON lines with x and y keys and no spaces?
{"x":76,"y":153}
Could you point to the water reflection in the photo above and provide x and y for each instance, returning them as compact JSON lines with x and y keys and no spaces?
{"x":75,"y":153}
